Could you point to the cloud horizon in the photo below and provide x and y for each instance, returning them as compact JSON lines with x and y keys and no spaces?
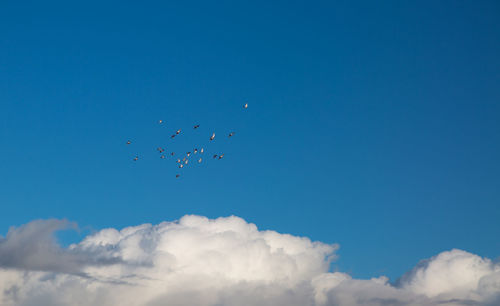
{"x":225,"y":261}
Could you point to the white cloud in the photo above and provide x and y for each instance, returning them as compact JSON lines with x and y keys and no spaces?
{"x":454,"y":274}
{"x":226,"y":261}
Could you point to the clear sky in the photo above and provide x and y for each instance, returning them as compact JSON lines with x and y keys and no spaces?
{"x":375,"y":125}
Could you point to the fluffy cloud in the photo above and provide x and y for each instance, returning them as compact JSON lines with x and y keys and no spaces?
{"x":32,"y":247}
{"x":454,"y":274}
{"x":226,"y":261}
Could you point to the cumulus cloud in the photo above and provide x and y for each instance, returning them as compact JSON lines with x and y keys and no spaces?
{"x":33,"y":247}
{"x":219,"y":262}
{"x":453,"y":274}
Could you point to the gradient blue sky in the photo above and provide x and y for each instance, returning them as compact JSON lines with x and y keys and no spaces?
{"x":375,"y":125}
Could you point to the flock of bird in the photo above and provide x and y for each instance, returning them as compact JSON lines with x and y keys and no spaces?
{"x":184,"y":160}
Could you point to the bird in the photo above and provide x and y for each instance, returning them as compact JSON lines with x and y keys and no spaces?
{"x":184,"y":160}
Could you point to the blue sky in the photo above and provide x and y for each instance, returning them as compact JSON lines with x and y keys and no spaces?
{"x":371,"y":125}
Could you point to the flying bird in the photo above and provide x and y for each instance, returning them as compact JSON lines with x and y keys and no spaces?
{"x":185,"y":159}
